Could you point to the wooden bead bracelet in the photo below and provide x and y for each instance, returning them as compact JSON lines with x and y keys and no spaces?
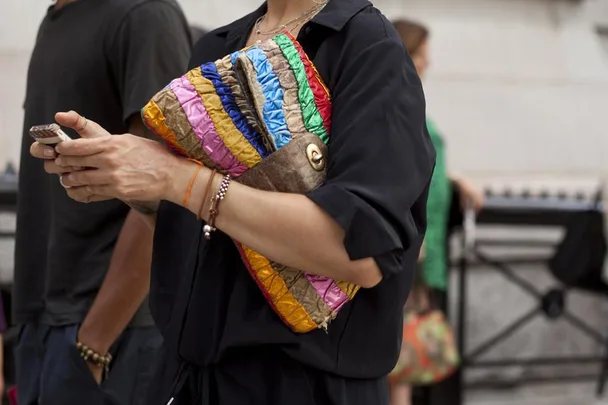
{"x":92,"y":357}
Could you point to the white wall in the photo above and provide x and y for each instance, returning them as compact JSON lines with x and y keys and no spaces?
{"x":17,"y":36}
{"x":517,"y":86}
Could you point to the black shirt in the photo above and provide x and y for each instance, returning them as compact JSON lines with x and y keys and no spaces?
{"x":235,"y":349}
{"x":104,"y":59}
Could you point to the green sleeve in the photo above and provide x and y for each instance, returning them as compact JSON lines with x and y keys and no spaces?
{"x":435,"y":259}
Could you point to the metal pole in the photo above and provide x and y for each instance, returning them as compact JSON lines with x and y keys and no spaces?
{"x":468,"y":246}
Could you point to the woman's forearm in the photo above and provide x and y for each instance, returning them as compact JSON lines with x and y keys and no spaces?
{"x":292,"y":230}
{"x":287,"y":228}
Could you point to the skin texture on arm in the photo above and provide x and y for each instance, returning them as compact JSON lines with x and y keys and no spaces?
{"x":311,"y":241}
{"x":125,"y":286}
{"x":355,"y":228}
{"x":148,"y":45}
{"x":146,"y":209}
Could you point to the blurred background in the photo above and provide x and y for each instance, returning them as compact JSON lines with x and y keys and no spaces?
{"x":519,"y":89}
{"x":521,"y":84}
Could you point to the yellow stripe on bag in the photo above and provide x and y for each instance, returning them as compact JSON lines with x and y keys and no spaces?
{"x":276,"y":291}
{"x":349,"y":289}
{"x":156,"y":121}
{"x":234,"y":140}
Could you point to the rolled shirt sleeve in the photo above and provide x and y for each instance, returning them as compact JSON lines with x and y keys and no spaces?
{"x":380,"y":156}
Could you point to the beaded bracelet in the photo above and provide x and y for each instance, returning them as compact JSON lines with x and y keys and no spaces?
{"x":213,"y":208}
{"x":90,"y":356}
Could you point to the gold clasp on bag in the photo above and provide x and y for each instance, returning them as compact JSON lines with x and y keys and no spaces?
{"x":315,"y":157}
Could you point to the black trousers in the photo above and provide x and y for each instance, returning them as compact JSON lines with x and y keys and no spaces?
{"x":50,"y":370}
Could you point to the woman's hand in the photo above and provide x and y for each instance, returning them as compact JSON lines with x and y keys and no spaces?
{"x":126,"y":167}
{"x":49,"y":155}
{"x":470,"y":195}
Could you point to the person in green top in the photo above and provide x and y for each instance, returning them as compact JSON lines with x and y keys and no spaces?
{"x":433,"y":256}
{"x":434,"y":263}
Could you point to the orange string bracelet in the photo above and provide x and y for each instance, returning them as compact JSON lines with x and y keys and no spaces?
{"x":189,"y":189}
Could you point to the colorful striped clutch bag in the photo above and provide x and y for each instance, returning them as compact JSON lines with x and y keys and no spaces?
{"x":262,"y":114}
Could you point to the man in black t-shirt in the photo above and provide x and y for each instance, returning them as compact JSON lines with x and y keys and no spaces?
{"x":82,"y":271}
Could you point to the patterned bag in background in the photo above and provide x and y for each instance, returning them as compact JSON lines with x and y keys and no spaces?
{"x":428,"y":352}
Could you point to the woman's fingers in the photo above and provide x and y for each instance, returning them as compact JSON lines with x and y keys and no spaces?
{"x":84,"y":195}
{"x":103,"y":190}
{"x":94,"y":161}
{"x":91,"y":134}
{"x":85,"y":127}
{"x":52,"y":168}
{"x":82,"y":147}
{"x":49,"y":155}
{"x":85,"y":178}
{"x":41,"y":151}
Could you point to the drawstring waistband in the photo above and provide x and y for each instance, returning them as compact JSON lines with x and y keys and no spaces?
{"x":180,"y":379}
{"x":203,"y":384}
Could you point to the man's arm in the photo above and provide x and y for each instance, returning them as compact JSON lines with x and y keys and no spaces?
{"x":147,"y":211}
{"x":126,"y":284}
{"x":150,"y":48}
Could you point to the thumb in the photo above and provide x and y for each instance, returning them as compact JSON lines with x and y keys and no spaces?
{"x":85,"y":128}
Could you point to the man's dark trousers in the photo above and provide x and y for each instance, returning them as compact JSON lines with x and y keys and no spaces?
{"x":50,"y":370}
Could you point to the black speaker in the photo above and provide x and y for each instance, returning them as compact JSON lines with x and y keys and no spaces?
{"x":579,"y":258}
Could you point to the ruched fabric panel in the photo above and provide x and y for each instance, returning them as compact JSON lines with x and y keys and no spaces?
{"x":204,"y":128}
{"x":154,"y":119}
{"x":232,"y":137}
{"x":228,"y":101}
{"x":318,"y":87}
{"x":273,"y":115}
{"x":312,"y":118}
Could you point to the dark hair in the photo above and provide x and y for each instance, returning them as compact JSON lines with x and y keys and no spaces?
{"x":412,"y":33}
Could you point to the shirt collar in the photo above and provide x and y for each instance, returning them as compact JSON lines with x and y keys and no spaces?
{"x":334,"y":15}
{"x":337,"y":13}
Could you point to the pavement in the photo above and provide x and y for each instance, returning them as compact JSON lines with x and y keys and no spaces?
{"x":554,"y":394}
{"x":491,"y":304}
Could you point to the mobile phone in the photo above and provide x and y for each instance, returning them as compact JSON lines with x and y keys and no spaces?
{"x":50,"y":134}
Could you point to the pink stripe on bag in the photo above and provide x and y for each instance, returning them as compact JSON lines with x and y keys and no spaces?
{"x":328,"y":290}
{"x":204,"y":128}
